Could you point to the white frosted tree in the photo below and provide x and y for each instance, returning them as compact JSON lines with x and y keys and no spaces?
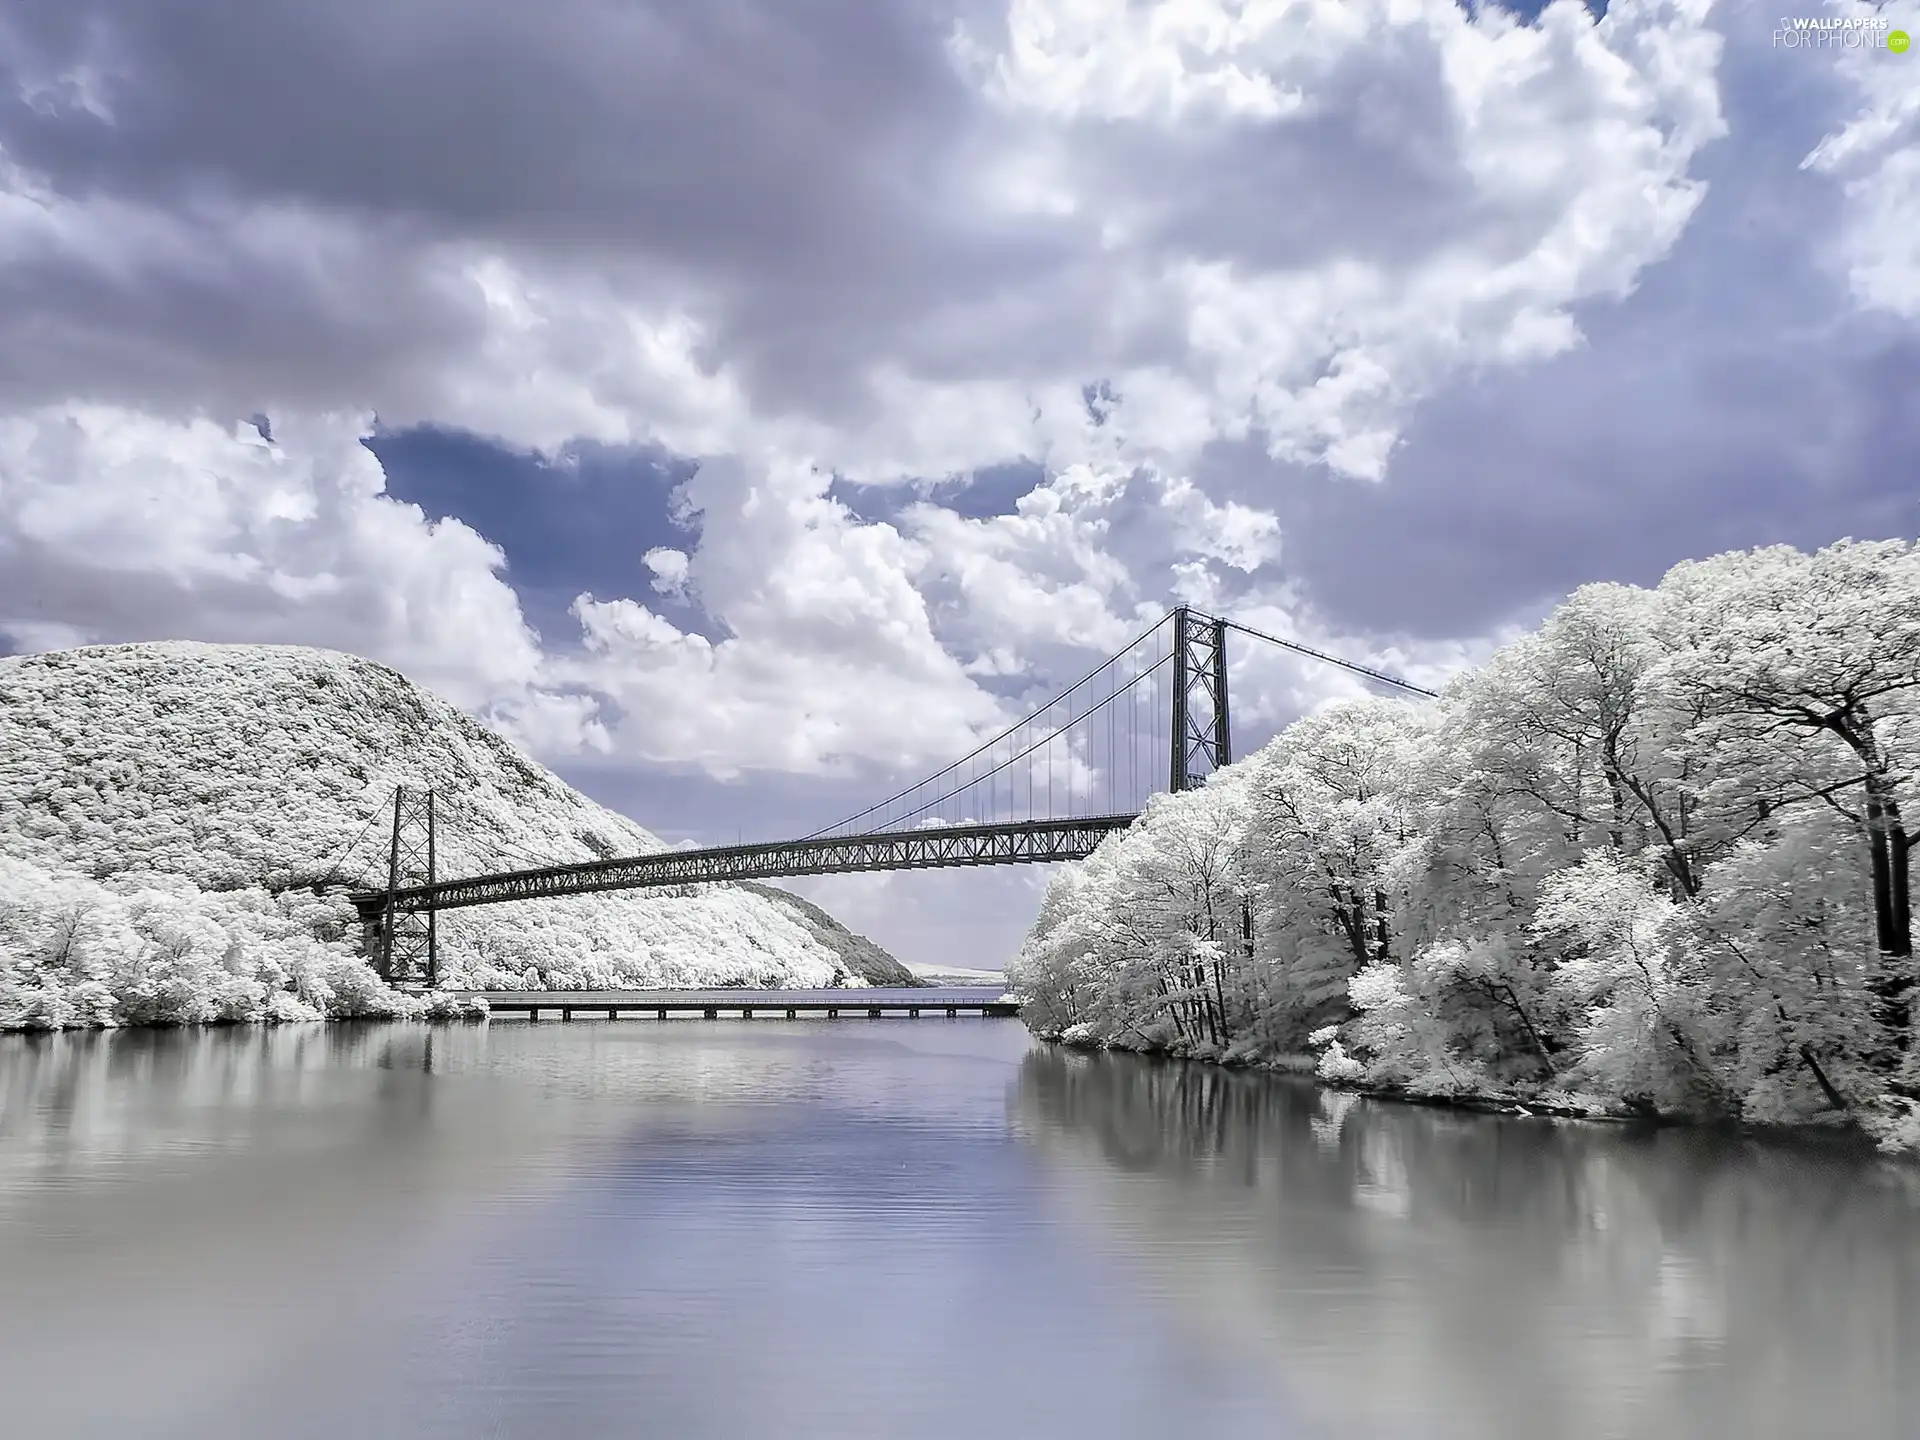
{"x":1328,"y":808}
{"x":1807,"y":668}
{"x":193,"y":792}
{"x":1654,"y":854}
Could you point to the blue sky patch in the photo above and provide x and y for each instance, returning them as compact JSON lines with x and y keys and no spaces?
{"x":992,"y":490}
{"x":579,"y":525}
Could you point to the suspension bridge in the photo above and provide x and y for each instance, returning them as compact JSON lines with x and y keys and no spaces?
{"x":1153,"y":716}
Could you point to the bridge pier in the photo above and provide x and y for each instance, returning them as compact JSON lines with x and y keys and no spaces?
{"x":1202,"y":735}
{"x":404,"y":942}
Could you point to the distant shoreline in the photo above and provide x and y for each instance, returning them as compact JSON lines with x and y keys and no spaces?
{"x":926,"y":974}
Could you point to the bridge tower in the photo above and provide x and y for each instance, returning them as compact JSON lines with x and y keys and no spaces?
{"x":406,"y":945}
{"x":1202,"y":737}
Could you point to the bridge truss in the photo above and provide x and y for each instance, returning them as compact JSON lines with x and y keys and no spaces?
{"x":1014,"y":843}
{"x":1050,"y":787}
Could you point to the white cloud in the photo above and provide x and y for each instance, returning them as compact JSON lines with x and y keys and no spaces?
{"x":119,"y":525}
{"x":831,"y":657}
{"x":1290,"y":223}
{"x":670,"y":568}
{"x":1080,"y":565}
{"x":1108,"y":60}
{"x":1561,"y":174}
{"x":1876,"y":156}
{"x":1292,"y":220}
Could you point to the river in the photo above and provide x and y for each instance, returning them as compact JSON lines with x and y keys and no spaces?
{"x":898,"y":1228}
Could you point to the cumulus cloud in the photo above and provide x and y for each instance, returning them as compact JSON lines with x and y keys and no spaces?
{"x":116,"y":525}
{"x":1296,"y":220}
{"x":1876,"y":155}
{"x":669,"y":567}
{"x":831,"y":655}
{"x":1082,"y":561}
{"x":1333,"y":206}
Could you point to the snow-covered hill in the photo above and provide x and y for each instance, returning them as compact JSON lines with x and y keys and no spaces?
{"x":166,"y":810}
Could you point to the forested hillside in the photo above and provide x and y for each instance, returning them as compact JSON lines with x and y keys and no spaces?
{"x":1654,"y":856}
{"x":168,"y":810}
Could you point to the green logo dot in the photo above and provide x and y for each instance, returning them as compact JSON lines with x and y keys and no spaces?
{"x":1898,"y":41}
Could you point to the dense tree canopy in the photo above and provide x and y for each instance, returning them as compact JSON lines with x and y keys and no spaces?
{"x":1653,"y":855}
{"x":166,"y":810}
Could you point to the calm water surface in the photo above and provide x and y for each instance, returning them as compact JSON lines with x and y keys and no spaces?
{"x":897,"y":1229}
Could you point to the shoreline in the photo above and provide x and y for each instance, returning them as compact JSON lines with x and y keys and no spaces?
{"x":466,"y":1016}
{"x":443,"y":1007}
{"x":1849,"y":1134}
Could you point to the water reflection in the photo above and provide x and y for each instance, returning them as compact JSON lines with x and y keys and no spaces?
{"x":688,"y":1230}
{"x":901,"y":1229}
{"x":1430,"y":1273}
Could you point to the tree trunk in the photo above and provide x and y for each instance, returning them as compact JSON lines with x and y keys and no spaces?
{"x":1888,"y":852}
{"x":1887,"y":839}
{"x":1899,"y":860}
{"x":1887,"y":845}
{"x":1173,"y":1006}
{"x":1352,"y":921}
{"x":1219,"y":984}
{"x":1616,"y":832}
{"x":1508,"y":996}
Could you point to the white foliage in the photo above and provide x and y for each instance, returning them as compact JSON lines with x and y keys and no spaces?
{"x":167,"y":809}
{"x":1652,"y":856}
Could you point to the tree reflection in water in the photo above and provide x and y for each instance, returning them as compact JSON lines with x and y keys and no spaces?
{"x":1419,"y":1271}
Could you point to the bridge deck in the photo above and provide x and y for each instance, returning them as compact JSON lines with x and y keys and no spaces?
{"x":1018,"y":842}
{"x":941,"y":1000}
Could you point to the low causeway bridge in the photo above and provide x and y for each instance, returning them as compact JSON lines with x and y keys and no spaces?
{"x":873,"y":1002}
{"x":1152,"y":717}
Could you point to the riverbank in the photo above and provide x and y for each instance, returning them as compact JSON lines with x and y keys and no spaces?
{"x":95,"y":1006}
{"x":1891,"y":1134}
{"x":1307,"y":1067}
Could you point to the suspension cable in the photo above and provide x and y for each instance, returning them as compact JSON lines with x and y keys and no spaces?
{"x":1044,"y":740}
{"x":1307,"y":650}
{"x":332,"y":871}
{"x":1083,"y":681}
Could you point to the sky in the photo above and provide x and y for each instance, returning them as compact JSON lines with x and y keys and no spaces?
{"x":744,"y":405}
